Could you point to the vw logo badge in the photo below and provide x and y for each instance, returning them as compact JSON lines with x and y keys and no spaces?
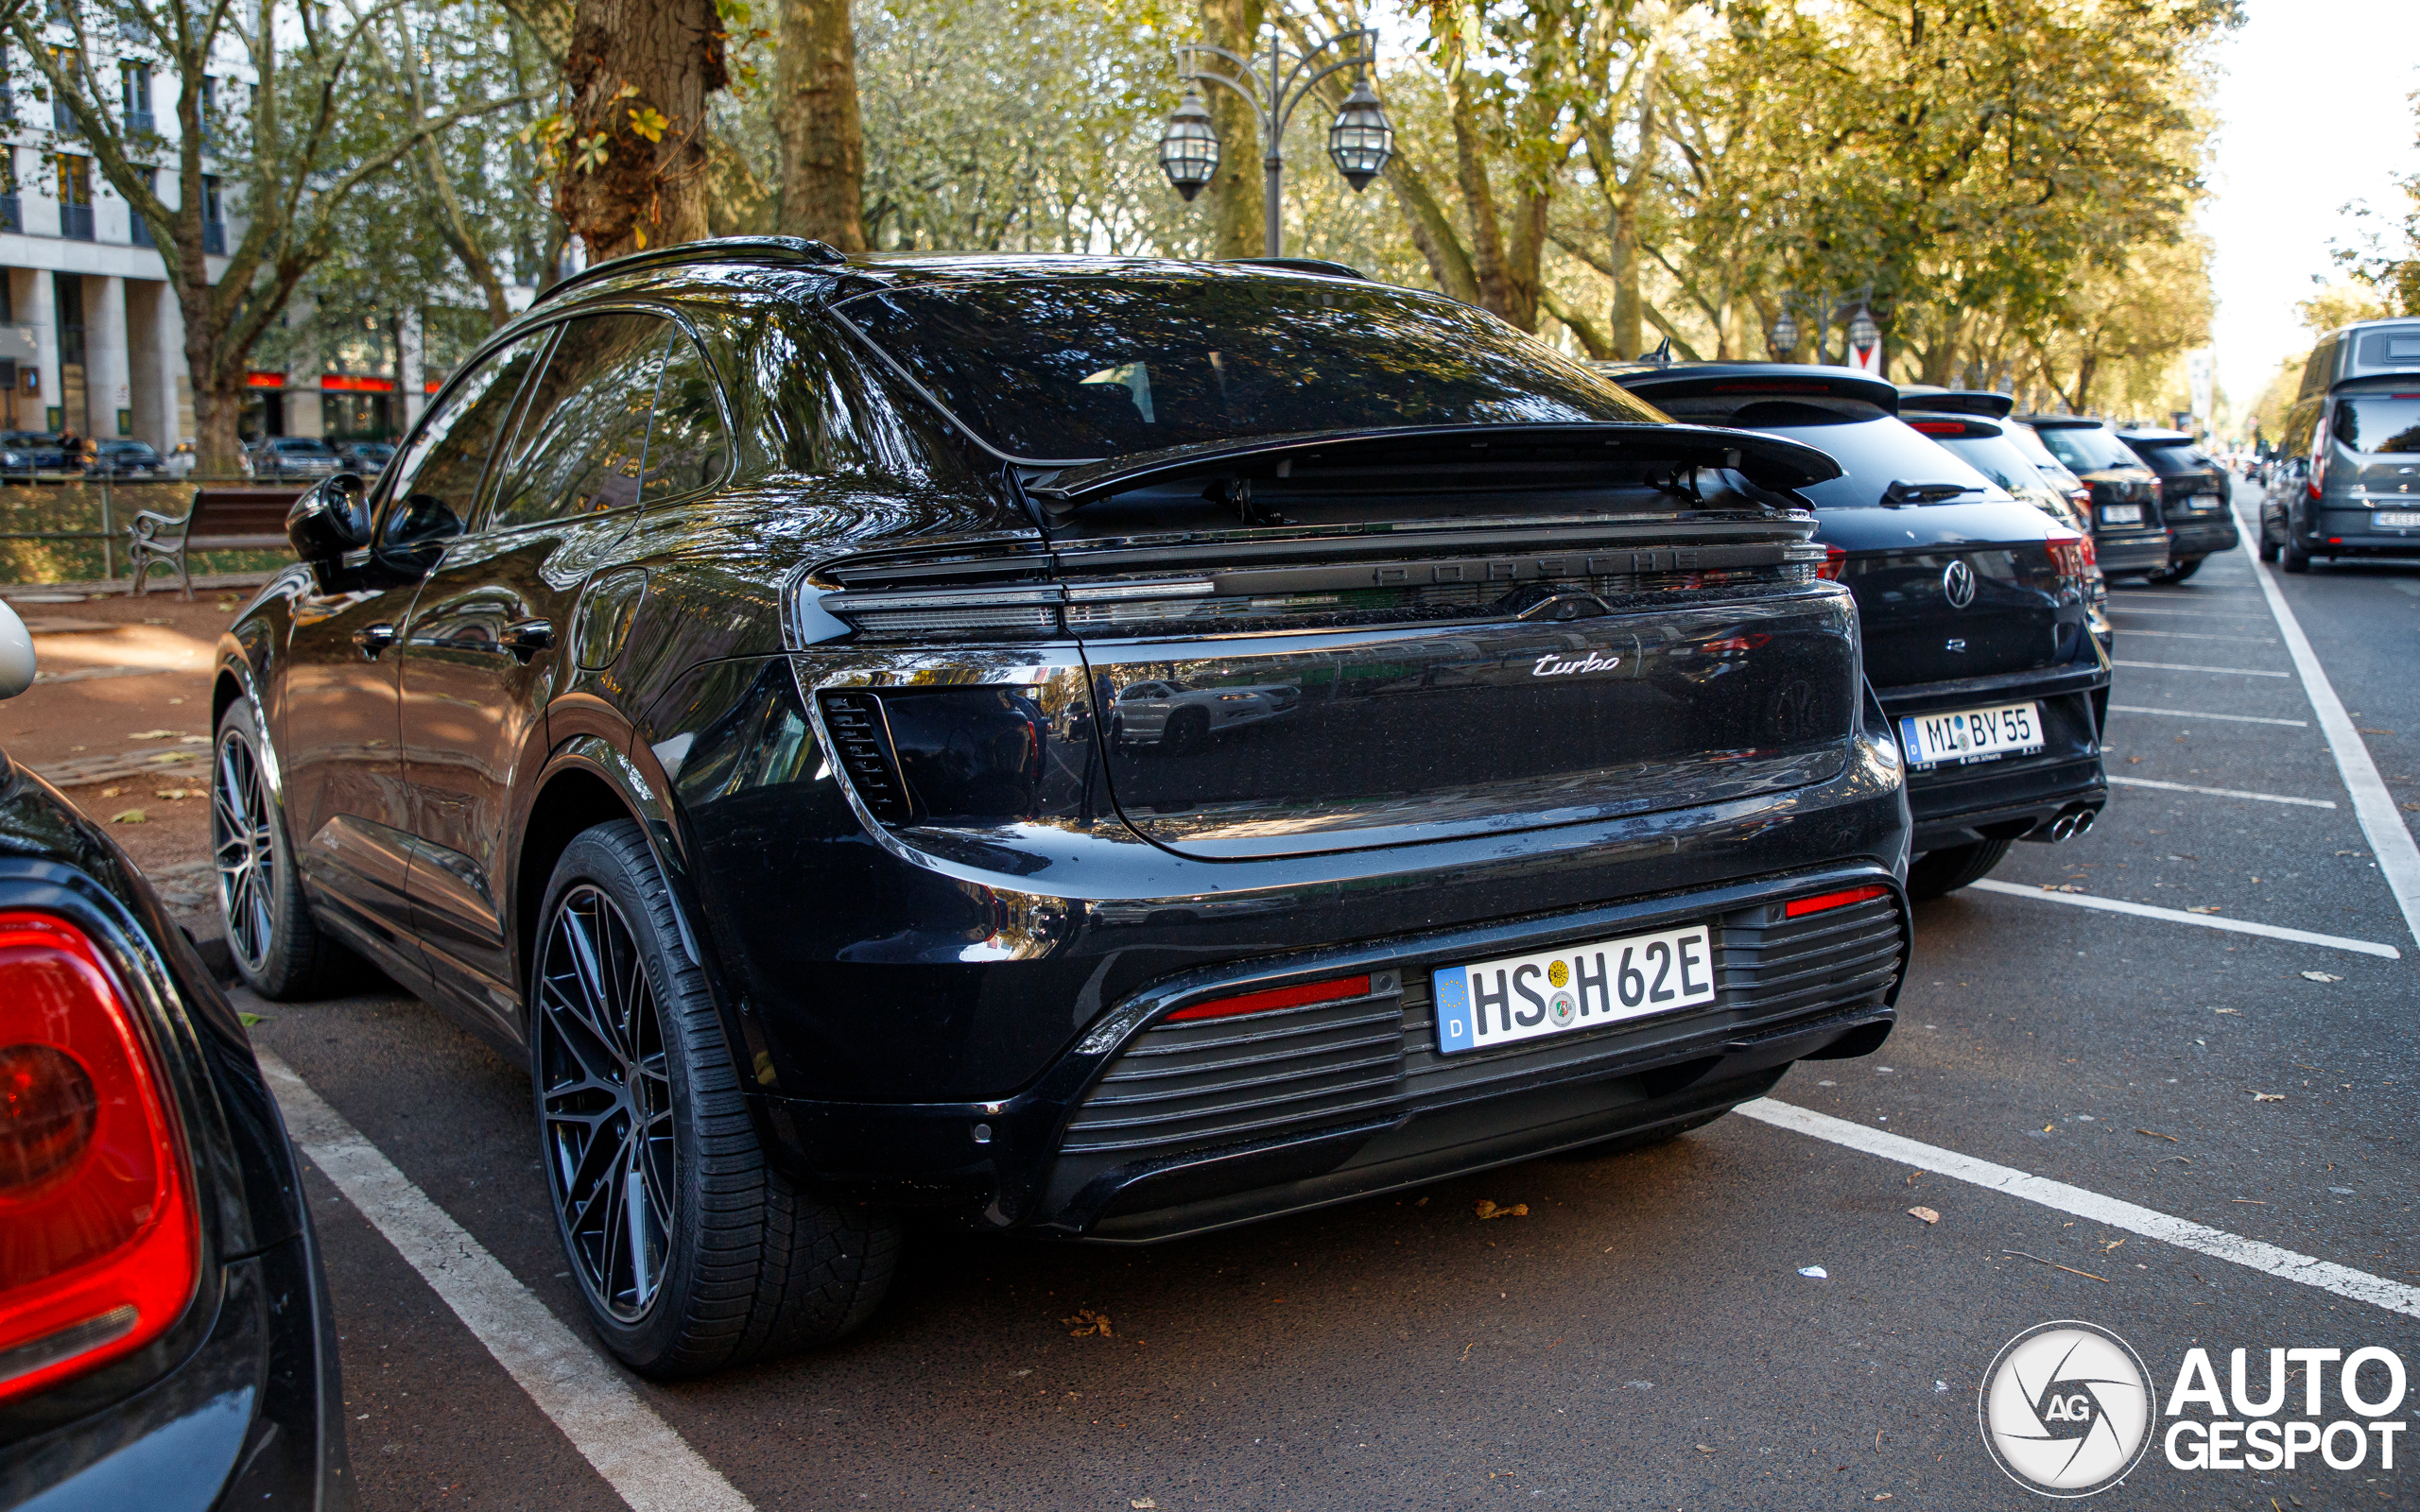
{"x":1958,"y":584}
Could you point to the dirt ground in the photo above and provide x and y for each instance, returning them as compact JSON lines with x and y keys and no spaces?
{"x":127,"y":677}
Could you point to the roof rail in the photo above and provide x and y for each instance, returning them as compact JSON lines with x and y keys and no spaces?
{"x":1302,"y":264}
{"x":762,"y":248}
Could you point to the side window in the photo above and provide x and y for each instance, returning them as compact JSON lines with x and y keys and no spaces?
{"x":584,"y":434}
{"x":436,"y":478}
{"x":686,"y":445}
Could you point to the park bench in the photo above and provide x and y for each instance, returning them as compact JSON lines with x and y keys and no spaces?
{"x":225,"y":519}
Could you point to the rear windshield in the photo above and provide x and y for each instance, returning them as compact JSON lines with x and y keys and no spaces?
{"x":2174,"y":457}
{"x":314,"y":447}
{"x":2378,"y":422}
{"x":1068,"y":368}
{"x":1874,"y":449}
{"x":1997,"y":458}
{"x":2088,"y":448}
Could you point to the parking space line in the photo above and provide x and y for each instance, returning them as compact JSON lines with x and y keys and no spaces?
{"x":2398,"y":859}
{"x":2196,"y":714}
{"x":2177,"y":915}
{"x":652,"y":1468}
{"x":2196,"y":635}
{"x":2179,"y":666}
{"x":2285,"y":1265}
{"x":2193,"y":613}
{"x":2222,"y":792}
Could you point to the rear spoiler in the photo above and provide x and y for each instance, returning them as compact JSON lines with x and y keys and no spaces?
{"x":1981,"y":402}
{"x":1768,"y":461}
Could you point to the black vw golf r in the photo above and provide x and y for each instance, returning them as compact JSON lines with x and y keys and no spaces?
{"x":710,"y":705}
{"x":1982,"y":635}
{"x":166,"y":1341}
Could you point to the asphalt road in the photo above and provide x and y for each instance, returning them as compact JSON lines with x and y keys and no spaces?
{"x":1665,"y":1348}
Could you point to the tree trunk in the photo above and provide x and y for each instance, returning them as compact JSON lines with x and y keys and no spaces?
{"x":1239,"y":214}
{"x":823,"y":158}
{"x":638,"y":72}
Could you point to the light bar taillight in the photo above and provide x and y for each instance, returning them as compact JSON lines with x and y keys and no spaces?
{"x":1824,"y":902}
{"x":98,"y":1234}
{"x":2073,"y":557}
{"x":1939,"y":427}
{"x":1276,"y":997}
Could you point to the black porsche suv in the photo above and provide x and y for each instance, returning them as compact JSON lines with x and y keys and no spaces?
{"x":713,"y":704}
{"x":1979,"y":612}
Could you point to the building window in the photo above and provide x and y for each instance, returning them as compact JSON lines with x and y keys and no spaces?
{"x":67,"y":296}
{"x":209,"y":114}
{"x":74,"y":197}
{"x":138,"y":231}
{"x":13,"y":211}
{"x":71,"y":65}
{"x":135,"y":92}
{"x":214,"y":226}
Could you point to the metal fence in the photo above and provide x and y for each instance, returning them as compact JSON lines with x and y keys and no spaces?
{"x":67,"y":530}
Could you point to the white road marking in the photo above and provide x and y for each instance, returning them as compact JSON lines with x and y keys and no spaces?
{"x":2176,"y":915}
{"x":2196,"y":714}
{"x":2285,"y":1265}
{"x":2222,"y":792}
{"x":2398,"y":859}
{"x":2179,"y":666}
{"x":2196,"y":635}
{"x":652,"y":1468}
{"x":2192,"y":613}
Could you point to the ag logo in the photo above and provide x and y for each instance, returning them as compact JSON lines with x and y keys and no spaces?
{"x":1958,"y":583}
{"x":2066,"y":1409}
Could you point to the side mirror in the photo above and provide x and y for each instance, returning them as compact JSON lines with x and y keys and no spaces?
{"x":16,"y":654}
{"x":329,"y":521}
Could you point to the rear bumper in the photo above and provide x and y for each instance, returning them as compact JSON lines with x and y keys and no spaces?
{"x":2131,"y":551}
{"x":2010,"y":796}
{"x":2201,"y":538}
{"x":1340,"y":1100}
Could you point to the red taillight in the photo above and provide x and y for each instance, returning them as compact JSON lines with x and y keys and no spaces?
{"x":1276,"y":997}
{"x":2081,"y":499}
{"x":97,"y":1229}
{"x":1939,"y":427}
{"x":1801,"y":907}
{"x":2073,"y":556}
{"x":1835,"y":562}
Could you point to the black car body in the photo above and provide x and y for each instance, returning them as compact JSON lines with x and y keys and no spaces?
{"x":834,"y":672}
{"x":2196,"y":501}
{"x":1974,"y":425}
{"x":1968,"y":600}
{"x":23,"y":453}
{"x":2355,"y":421}
{"x":2129,"y":533}
{"x":123,"y":459}
{"x":164,"y":1333}
{"x":284,"y":457}
{"x":366,"y":458}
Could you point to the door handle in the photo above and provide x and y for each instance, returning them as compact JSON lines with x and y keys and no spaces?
{"x":527,"y":638}
{"x":374,"y":639}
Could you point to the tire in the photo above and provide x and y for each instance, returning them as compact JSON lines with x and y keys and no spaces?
{"x":2292,"y":558}
{"x":1186,"y":730}
{"x":1938,"y":872}
{"x":625,"y":1047}
{"x":2268,"y":547}
{"x":2175,"y":571}
{"x":277,"y":947}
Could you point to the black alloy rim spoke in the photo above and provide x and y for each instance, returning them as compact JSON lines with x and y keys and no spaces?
{"x":241,"y":852}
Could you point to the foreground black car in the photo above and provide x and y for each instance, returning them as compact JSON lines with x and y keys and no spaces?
{"x":165,"y":1335}
{"x":2129,"y":533}
{"x":714,"y":704}
{"x":1981,"y":634}
{"x":2197,"y":500}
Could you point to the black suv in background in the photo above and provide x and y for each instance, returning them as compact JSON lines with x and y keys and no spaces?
{"x":1974,"y":425}
{"x":1976,"y":610}
{"x":2197,"y":495}
{"x":827,"y":847}
{"x":2128,"y":532}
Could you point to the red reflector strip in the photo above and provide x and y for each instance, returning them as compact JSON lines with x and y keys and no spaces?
{"x":1799,"y":907}
{"x":1939,"y":427}
{"x":1276,"y":997}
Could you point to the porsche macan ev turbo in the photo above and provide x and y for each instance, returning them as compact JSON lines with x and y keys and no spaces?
{"x":1983,"y":636}
{"x":727,"y":702}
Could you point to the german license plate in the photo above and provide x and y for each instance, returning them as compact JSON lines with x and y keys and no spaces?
{"x":1579,"y":987}
{"x":2121,"y":514}
{"x":1971,"y":734}
{"x":2395,"y":519}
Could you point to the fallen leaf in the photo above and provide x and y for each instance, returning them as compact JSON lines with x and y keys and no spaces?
{"x":1087,"y":1322}
{"x":249,"y":1019}
{"x":1143,"y":1504}
{"x":1706,"y":1449}
{"x":2268,"y":1097}
{"x":191,"y":740}
{"x":1487,"y":1209}
{"x":130,"y":816}
{"x":1882,"y":1495}
{"x":111,"y":792}
{"x":155,"y":734}
{"x":1815,"y":1273}
{"x":2238,"y":1012}
{"x":2321,"y":976}
{"x":2204,"y":908}
{"x":2058,"y":886}
{"x":1926,"y":1215}
{"x":172,"y":794}
{"x":2112,"y":1244}
{"x":2157,"y":1135}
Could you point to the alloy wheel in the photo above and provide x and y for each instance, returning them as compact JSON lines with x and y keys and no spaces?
{"x":241,"y":847}
{"x":606,"y":1103}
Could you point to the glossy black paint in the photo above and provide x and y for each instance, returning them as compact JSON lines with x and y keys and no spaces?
{"x":238,"y":1405}
{"x":1051,"y":877}
{"x":2124,"y":550}
{"x":2022,"y":637}
{"x":2197,"y":494}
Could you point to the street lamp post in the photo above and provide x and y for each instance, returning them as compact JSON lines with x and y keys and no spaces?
{"x":1827,"y":310}
{"x":1360,"y":140}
